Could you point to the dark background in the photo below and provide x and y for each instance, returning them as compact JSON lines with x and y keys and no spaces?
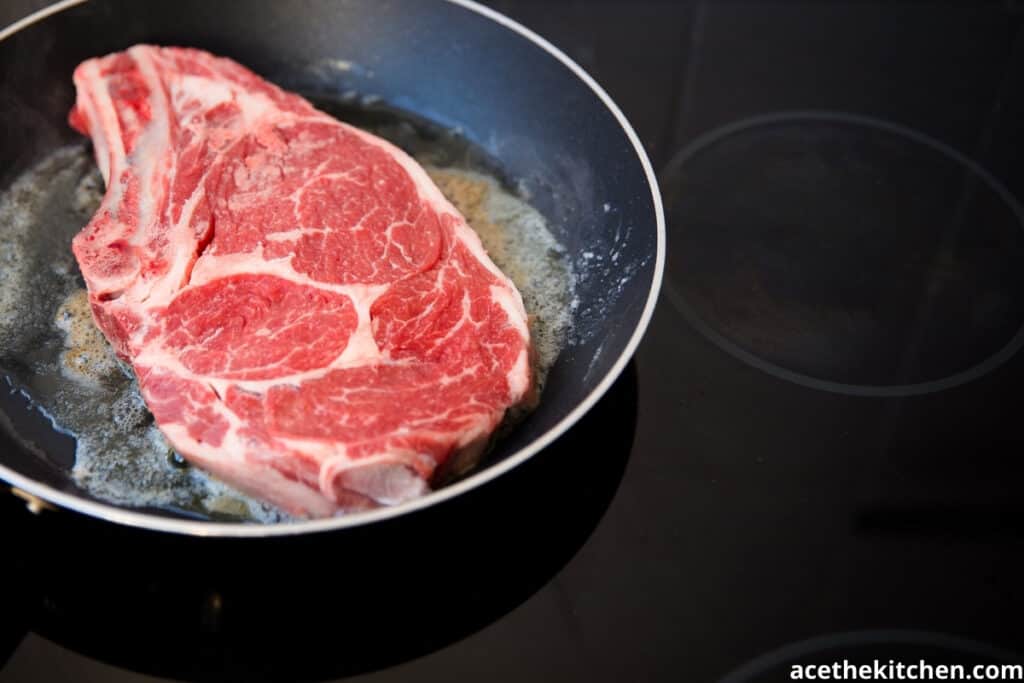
{"x":755,"y":514}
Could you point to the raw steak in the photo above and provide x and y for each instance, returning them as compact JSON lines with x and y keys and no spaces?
{"x":308,"y":317}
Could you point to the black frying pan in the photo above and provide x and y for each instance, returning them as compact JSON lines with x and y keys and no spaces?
{"x":545,"y":123}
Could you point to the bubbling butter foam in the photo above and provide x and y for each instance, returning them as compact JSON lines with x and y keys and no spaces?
{"x":87,"y":356}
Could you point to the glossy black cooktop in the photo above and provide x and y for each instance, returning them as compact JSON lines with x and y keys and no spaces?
{"x":816,"y":454}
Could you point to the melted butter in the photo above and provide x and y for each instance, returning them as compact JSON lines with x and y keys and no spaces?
{"x":87,"y":356}
{"x":50,"y":346}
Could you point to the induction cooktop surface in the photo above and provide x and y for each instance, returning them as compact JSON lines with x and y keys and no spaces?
{"x":815,"y":456}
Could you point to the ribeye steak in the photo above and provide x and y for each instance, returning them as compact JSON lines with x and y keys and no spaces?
{"x":308,"y":317}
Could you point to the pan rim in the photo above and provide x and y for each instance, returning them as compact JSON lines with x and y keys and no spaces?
{"x":142,"y":520}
